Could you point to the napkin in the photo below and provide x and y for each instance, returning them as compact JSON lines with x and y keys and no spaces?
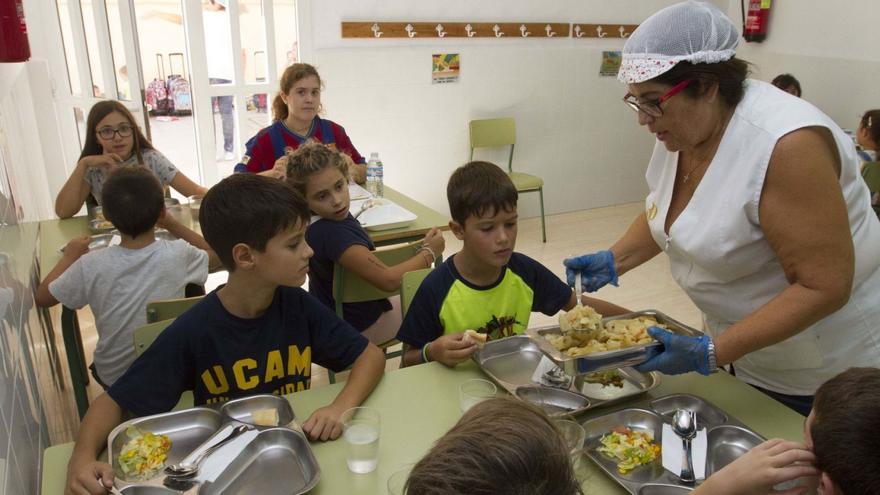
{"x":215,"y":463}
{"x":673,"y":452}
{"x":543,"y":367}
{"x":115,"y":240}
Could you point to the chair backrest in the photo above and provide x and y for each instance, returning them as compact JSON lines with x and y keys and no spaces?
{"x":411,"y":282}
{"x":489,"y":133}
{"x":871,"y":174}
{"x":349,"y":287}
{"x":145,"y":335}
{"x":168,"y":309}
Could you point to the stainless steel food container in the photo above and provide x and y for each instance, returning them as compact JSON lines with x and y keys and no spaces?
{"x":278,"y":460}
{"x":241,"y":410}
{"x":606,"y":360}
{"x":100,"y":241}
{"x":512,"y":361}
{"x":728,"y":439}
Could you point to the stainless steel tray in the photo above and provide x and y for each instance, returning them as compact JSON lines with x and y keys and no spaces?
{"x":728,"y":439}
{"x":510,"y":363}
{"x":278,"y":461}
{"x":276,"y":455}
{"x":606,"y":360}
{"x":100,"y":241}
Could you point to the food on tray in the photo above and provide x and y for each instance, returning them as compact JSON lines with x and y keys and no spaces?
{"x":606,"y":378}
{"x":265,"y":417}
{"x":630,"y":448}
{"x":144,"y":454}
{"x":479,"y":338}
{"x":102,"y":224}
{"x":615,"y":334}
{"x":580,"y":319}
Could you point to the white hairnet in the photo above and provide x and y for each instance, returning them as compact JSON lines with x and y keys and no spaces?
{"x":696,"y":32}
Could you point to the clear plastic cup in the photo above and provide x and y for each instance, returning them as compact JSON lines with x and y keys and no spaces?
{"x":474,"y":391}
{"x":573,"y":434}
{"x":360,"y":429}
{"x":195,"y":203}
{"x":397,"y":481}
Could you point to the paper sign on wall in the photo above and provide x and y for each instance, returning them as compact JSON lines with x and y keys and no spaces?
{"x":610,"y":64}
{"x":445,"y":68}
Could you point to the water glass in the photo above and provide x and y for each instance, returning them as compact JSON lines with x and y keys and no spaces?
{"x":474,"y":391}
{"x":360,"y":429}
{"x":397,"y":481}
{"x":573,"y":434}
{"x":195,"y":203}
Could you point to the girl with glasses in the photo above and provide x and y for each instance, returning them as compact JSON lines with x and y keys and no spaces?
{"x":756,"y":199}
{"x":114,"y":140}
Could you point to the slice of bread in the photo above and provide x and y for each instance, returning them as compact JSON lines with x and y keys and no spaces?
{"x":265,"y":417}
{"x":479,"y":338}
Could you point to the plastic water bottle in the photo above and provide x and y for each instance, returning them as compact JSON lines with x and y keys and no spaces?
{"x":374,"y":176}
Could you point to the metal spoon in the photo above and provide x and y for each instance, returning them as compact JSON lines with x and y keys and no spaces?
{"x":684,"y":424}
{"x":112,"y":489}
{"x":366,"y":205}
{"x":190,"y":469}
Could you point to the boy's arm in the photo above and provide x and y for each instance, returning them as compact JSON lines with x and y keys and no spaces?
{"x":326,"y":422}
{"x":72,"y":252}
{"x":181,"y":231}
{"x":604,"y":308}
{"x":83,"y":470}
{"x":449,"y":349}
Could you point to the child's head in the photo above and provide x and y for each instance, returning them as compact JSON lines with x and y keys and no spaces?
{"x":133,"y":200}
{"x":320,"y":174}
{"x":482,"y":201}
{"x":842,"y":430}
{"x":299,"y":95}
{"x":258,"y":223}
{"x":868,"y":133}
{"x":111,"y":128}
{"x":787,"y":83}
{"x":500,"y":446}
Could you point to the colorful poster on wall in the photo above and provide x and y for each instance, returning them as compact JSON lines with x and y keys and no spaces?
{"x":610,"y":64}
{"x":445,"y":68}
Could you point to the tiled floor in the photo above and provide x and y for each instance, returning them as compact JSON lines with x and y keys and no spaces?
{"x":648,"y":287}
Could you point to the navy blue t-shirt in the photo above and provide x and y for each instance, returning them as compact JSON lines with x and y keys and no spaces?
{"x":222,"y":357}
{"x":447,"y":303}
{"x":329,"y":239}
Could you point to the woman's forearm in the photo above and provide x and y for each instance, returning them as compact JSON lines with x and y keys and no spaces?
{"x":73,"y":193}
{"x":635,"y":247}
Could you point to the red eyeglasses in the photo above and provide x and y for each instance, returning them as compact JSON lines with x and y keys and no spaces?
{"x":652,"y":107}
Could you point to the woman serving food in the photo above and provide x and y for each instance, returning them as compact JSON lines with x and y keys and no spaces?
{"x":756,"y":198}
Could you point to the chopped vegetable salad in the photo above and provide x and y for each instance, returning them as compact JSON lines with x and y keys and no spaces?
{"x":144,"y":454}
{"x":630,"y":448}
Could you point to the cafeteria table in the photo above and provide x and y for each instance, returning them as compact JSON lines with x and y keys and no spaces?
{"x":419,"y":404}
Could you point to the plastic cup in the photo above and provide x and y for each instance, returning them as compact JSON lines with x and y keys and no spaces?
{"x":360,"y":429}
{"x":474,"y":391}
{"x":195,"y":203}
{"x":397,"y":481}
{"x":573,"y":434}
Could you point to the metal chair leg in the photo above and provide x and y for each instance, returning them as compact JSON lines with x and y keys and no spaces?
{"x":543,"y":225}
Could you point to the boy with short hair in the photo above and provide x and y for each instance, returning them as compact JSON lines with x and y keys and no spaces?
{"x":486,"y":287}
{"x":840,"y":446}
{"x":118,"y":281}
{"x":257,"y":334}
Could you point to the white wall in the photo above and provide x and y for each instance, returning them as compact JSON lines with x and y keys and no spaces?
{"x":831,"y":47}
{"x":573,"y":129}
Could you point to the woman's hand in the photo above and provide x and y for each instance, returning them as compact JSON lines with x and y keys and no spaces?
{"x":680,"y":354}
{"x":596,"y":270}
{"x":760,"y":469}
{"x":434,"y":241}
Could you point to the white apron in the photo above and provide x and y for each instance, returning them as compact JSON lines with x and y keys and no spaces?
{"x":719,"y":256}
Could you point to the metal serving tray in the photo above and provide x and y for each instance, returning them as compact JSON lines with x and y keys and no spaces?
{"x":728,"y":439}
{"x":510,"y":362}
{"x":280,"y":456}
{"x":100,"y":241}
{"x":599,"y":361}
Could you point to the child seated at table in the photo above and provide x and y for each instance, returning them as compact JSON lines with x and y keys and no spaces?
{"x":840,"y":446}
{"x":321,"y":175}
{"x":118,"y":281}
{"x":258,"y":334}
{"x":486,"y":287}
{"x":500,"y":446}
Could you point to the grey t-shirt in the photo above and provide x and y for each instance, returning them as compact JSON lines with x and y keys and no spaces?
{"x":153,"y":160}
{"x":118,"y":283}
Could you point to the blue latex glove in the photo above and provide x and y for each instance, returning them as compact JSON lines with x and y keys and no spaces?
{"x":680,"y":354}
{"x":596,"y":270}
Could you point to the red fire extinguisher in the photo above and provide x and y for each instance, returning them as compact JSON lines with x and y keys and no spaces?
{"x":13,"y":32}
{"x":755,"y":25}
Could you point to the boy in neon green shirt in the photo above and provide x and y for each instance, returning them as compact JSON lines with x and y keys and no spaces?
{"x":486,"y":287}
